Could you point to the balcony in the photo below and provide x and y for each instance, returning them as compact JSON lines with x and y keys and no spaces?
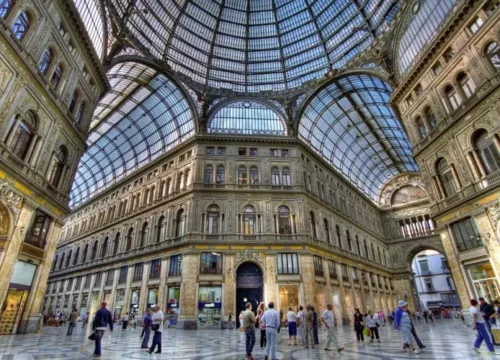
{"x":211,"y":270}
{"x":319,"y":272}
{"x":35,"y":241}
{"x":175,"y":272}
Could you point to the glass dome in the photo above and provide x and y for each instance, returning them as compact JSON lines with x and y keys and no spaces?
{"x":253,"y":45}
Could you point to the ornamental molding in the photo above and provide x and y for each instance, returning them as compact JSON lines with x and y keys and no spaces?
{"x":257,"y":257}
{"x":11,"y":199}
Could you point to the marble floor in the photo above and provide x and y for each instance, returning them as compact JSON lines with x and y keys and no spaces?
{"x":445,"y":339}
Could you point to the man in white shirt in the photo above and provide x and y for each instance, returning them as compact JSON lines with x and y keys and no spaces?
{"x":157,"y":327}
{"x":328,"y":320}
{"x":478,"y":324}
{"x":291,"y":318}
{"x":271,"y":319}
{"x":300,"y":324}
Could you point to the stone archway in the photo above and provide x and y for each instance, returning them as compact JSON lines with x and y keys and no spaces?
{"x":249,"y":287}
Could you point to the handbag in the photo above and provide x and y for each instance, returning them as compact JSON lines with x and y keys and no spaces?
{"x":93,"y":336}
{"x":155,"y":327}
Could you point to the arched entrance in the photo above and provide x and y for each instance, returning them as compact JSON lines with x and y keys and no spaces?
{"x":249,"y":287}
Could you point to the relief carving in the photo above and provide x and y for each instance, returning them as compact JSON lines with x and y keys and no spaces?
{"x":242,"y":256}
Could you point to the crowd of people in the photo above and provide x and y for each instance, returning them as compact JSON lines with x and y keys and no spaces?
{"x":303,"y":326}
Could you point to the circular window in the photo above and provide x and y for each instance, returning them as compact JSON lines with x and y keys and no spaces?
{"x":247,"y":104}
{"x":416,"y":7}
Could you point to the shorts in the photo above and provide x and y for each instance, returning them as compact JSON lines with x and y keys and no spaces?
{"x":292,"y":328}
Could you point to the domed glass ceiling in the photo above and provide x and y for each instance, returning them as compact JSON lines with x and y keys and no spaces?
{"x":254,"y":45}
{"x":352,"y":125}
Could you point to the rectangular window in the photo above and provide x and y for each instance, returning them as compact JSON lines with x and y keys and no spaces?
{"x":242,"y":151}
{"x":211,"y":263}
{"x":122,"y":279}
{"x":424,"y":267}
{"x":345,"y":276}
{"x":155,"y":269}
{"x":332,"y":269}
{"x":253,"y":151}
{"x":318,"y":266}
{"x":39,"y":230}
{"x":428,"y":285}
{"x":175,"y":265}
{"x":355,"y":277}
{"x":437,"y":69}
{"x":284,"y":152}
{"x":98,"y":279}
{"x":466,"y":234}
{"x":210,"y":150}
{"x":273,"y":152}
{"x":86,"y":285}
{"x":78,"y":283}
{"x":70,"y":284}
{"x":449,"y":54}
{"x":419,"y":90}
{"x":110,"y":277}
{"x":476,"y":25}
{"x":288,"y":263}
{"x":221,"y":151}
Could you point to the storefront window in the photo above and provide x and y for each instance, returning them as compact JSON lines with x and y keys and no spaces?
{"x":484,"y":282}
{"x":173,"y":305}
{"x":119,"y":300}
{"x":134,"y":301}
{"x":209,"y":306}
{"x":152,"y":297}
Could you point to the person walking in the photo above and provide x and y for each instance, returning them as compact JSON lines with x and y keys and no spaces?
{"x":272,"y":322}
{"x":143,"y":328}
{"x":478,"y":323}
{"x":73,"y":318}
{"x":85,"y":319}
{"x":125,"y":321}
{"x":101,"y":321}
{"x":329,"y":321}
{"x":157,"y":327}
{"x":358,"y":325}
{"x":248,"y":319}
{"x":487,"y":310}
{"x":373,"y":324}
{"x":315,"y":326}
{"x":414,"y":333}
{"x":147,"y":322}
{"x":300,"y":325}
{"x":426,"y":315}
{"x":291,"y":318}
{"x":402,"y":322}
{"x":430,"y":314}
{"x":262,"y":327}
{"x":308,"y":326}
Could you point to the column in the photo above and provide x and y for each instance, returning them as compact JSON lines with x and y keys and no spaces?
{"x":455,"y":176}
{"x":228,"y":304}
{"x":345,"y":312}
{"x":189,"y":290}
{"x":479,"y":163}
{"x":144,"y":288}
{"x":472,"y":165}
{"x":308,"y":278}
{"x":12,"y":247}
{"x":162,"y":296}
{"x":128,"y":284}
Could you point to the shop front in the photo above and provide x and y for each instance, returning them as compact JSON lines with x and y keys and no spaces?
{"x":484,"y":281}
{"x":17,"y":295}
{"x":119,"y":301}
{"x":337,"y":309}
{"x":173,"y":305}
{"x":83,"y":306}
{"x":289,"y":297}
{"x":209,"y":306}
{"x":134,"y":302}
{"x":152,"y":297}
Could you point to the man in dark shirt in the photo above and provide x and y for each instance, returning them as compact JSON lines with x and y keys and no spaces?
{"x":147,"y":322}
{"x":101,"y":321}
{"x":487,"y":310}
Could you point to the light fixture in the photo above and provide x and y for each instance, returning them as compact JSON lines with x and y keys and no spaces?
{"x":245,"y":299}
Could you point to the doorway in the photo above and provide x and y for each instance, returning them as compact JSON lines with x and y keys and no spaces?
{"x":289,"y":298}
{"x":13,"y":310}
{"x":249,"y":287}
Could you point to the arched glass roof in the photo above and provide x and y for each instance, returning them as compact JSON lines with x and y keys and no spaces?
{"x":246,"y":117}
{"x":426,"y":17}
{"x":143,"y":116}
{"x":255,"y":45}
{"x":92,"y":15}
{"x":351,"y":124}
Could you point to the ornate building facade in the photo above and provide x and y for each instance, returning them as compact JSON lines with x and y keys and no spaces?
{"x":301,"y":152}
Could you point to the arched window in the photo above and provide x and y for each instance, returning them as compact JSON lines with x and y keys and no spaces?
{"x":68,"y":259}
{"x":422,"y":130}
{"x":62,"y":261}
{"x":284,"y":223}
{"x":275,"y":176}
{"x":249,"y":221}
{"x":358,"y":246}
{"x":187,"y":178}
{"x":54,"y":264}
{"x":339,"y":237}
{"x":287,"y":178}
{"x":452,"y":96}
{"x":94,"y":251}
{"x":180,"y":181}
{"x":80,"y":113}
{"x":221,"y":175}
{"x":327,"y":231}
{"x":23,"y":132}
{"x":57,"y":76}
{"x":466,"y":84}
{"x":46,"y":61}
{"x":209,"y":174}
{"x":312,"y":223}
{"x":162,"y":225}
{"x":242,"y":175}
{"x":104,"y":250}
{"x":493,"y":54}
{"x":181,"y":223}
{"x":74,"y":99}
{"x":169,"y":186}
{"x":57,"y":165}
{"x":349,"y":242}
{"x":487,"y":151}
{"x":5,"y":8}
{"x":366,"y":249}
{"x":116,"y":244}
{"x":85,"y":252}
{"x":77,"y":254}
{"x":144,"y":235}
{"x":128,"y":245}
{"x":21,"y":25}
{"x":254,"y":175}
{"x":213,"y":215}
{"x":446,"y":177}
{"x":430,"y":118}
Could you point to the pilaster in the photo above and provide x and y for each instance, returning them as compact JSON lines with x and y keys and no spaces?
{"x":189,"y":291}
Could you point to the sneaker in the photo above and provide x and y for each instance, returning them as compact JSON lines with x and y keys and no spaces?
{"x":340,"y":349}
{"x":416,"y":351}
{"x":326,"y":349}
{"x":494,"y":353}
{"x":476,"y":349}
